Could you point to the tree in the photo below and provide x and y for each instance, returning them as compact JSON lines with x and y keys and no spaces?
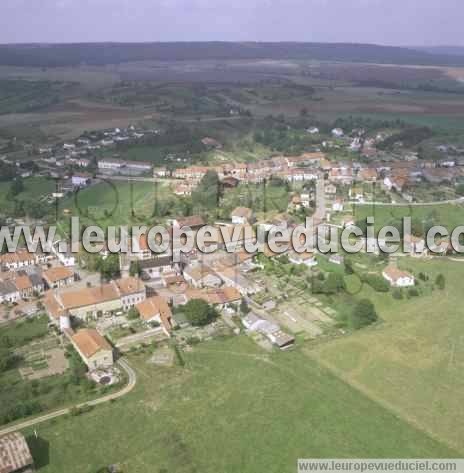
{"x":244,"y":309}
{"x":363,"y":314}
{"x":348,"y":266}
{"x":109,"y":266}
{"x":334,"y":283}
{"x":460,"y":189}
{"x":208,"y":192}
{"x":199,"y":312}
{"x":378,"y":283}
{"x":133,"y":314}
{"x":440,"y":282}
{"x":135,"y":268}
{"x":17,"y":186}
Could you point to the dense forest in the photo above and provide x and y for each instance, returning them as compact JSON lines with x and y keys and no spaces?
{"x":54,"y":55}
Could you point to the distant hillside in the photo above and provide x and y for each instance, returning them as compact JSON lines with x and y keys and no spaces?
{"x":440,"y":50}
{"x":52,"y":55}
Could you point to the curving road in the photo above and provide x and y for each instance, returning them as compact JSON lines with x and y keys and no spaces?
{"x":459,"y":200}
{"x":52,"y":415}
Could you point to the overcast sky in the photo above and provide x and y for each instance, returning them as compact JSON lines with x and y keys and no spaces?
{"x":395,"y":22}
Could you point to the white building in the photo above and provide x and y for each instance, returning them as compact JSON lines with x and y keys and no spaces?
{"x":307,"y":258}
{"x":398,"y":278}
{"x":337,"y":206}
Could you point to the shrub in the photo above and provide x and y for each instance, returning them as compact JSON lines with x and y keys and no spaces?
{"x":363,"y":314}
{"x":440,"y":281}
{"x":378,"y":283}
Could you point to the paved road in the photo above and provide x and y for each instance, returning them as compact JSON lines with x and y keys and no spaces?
{"x":460,"y":200}
{"x":320,"y":200}
{"x":104,"y":177}
{"x":52,"y":415}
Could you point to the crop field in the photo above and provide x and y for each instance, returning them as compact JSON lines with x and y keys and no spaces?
{"x":232,"y":408}
{"x":412,"y":361}
{"x":92,"y":97}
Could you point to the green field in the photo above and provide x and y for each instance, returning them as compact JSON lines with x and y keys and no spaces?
{"x":113,"y":203}
{"x":20,"y":333}
{"x":412,"y":362}
{"x":35,"y":189}
{"x":233,"y":408}
{"x":448,"y":215}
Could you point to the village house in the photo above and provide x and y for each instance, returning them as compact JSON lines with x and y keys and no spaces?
{"x":110,"y":164}
{"x":94,"y":349}
{"x":337,"y":132}
{"x":342,"y":175}
{"x":397,"y":277}
{"x":184,"y":189}
{"x":58,"y":276}
{"x":9,"y":292}
{"x":440,"y":175}
{"x":394,"y":183}
{"x":93,"y":302}
{"x":368,"y":175}
{"x":66,"y":258}
{"x":194,"y":222}
{"x":416,"y":244}
{"x":156,"y":309}
{"x":241,"y":216}
{"x":232,"y":277}
{"x":28,"y":285}
{"x":154,"y":268}
{"x":211,"y":143}
{"x":305,"y":198}
{"x":15,"y":456}
{"x":337,"y":205}
{"x":234,"y":236}
{"x":201,"y":276}
{"x":307,"y":258}
{"x":270,"y":330}
{"x":161,"y":171}
{"x":80,"y":179}
{"x":192,"y":172}
{"x":19,"y":259}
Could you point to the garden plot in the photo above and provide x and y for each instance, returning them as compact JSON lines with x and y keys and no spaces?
{"x":43,"y":363}
{"x":304,"y":318}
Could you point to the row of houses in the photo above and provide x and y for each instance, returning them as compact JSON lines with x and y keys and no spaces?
{"x":93,"y":302}
{"x":31,"y":281}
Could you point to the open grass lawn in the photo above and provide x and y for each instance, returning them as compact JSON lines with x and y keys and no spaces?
{"x":114,"y":203}
{"x":232,"y":408}
{"x":35,"y":188}
{"x":413,"y":361}
{"x":448,"y":215}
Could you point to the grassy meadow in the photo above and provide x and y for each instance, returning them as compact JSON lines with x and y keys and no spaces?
{"x":412,"y":362}
{"x":448,"y":215}
{"x":232,"y":408}
{"x":113,"y":203}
